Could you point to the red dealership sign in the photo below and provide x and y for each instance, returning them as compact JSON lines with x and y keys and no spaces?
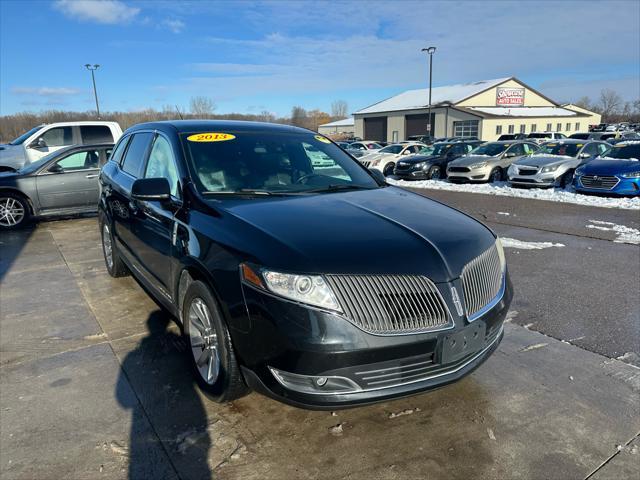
{"x":509,"y":96}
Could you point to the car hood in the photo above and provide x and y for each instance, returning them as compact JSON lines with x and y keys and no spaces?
{"x":610,"y":167}
{"x":12,"y":155}
{"x":370,"y":157}
{"x":471,"y":159}
{"x":382,"y":231}
{"x":544,"y":160}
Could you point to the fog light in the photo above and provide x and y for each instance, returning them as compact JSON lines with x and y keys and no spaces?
{"x":314,"y":385}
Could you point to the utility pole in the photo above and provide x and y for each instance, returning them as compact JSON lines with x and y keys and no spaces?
{"x":430,"y":51}
{"x":92,"y":69}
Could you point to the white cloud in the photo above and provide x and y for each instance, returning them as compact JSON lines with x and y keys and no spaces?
{"x":101,"y":11}
{"x":175,"y":25}
{"x":46,"y":91}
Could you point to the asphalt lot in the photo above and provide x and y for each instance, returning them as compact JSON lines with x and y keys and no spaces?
{"x":93,"y":380}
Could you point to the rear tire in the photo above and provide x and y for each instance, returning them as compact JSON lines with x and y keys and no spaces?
{"x":113,"y":262}
{"x":14,"y":211}
{"x":210,"y":349}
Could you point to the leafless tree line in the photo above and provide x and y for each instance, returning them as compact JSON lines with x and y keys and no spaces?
{"x":612,"y":107}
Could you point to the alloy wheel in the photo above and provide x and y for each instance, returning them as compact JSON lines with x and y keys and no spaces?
{"x":107,"y":247}
{"x":204,"y":341}
{"x":11,"y":212}
{"x":434,"y":173}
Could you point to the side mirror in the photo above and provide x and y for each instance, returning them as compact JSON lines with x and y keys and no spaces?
{"x":151,"y":189}
{"x":39,"y":143}
{"x":406,"y":152}
{"x":378,"y":176}
{"x":584,"y":155}
{"x":509,"y":154}
{"x":55,"y":168}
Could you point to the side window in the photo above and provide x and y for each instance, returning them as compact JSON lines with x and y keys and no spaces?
{"x":528,"y":148}
{"x":95,"y":134}
{"x":323,"y":164}
{"x":517,"y":149}
{"x":58,"y":137}
{"x":162,"y":164}
{"x":116,"y":155}
{"x":105,"y":156}
{"x":602,"y":148}
{"x":590,"y":149}
{"x":134,"y":159}
{"x":80,"y":161}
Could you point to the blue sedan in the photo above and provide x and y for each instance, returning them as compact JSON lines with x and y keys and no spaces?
{"x":617,"y":173}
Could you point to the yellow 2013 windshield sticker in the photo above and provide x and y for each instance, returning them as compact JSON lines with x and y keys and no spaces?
{"x":320,"y":138}
{"x":210,"y":137}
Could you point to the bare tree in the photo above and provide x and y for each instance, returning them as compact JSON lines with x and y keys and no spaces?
{"x":584,"y":102}
{"x":202,"y":106}
{"x":339,"y":109}
{"x":299,"y":116}
{"x":610,"y":102}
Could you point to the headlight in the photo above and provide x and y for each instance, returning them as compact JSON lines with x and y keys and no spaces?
{"x":478,"y":165}
{"x":550,"y":168}
{"x":511,"y":170}
{"x":631,"y":175}
{"x":420,"y":164}
{"x":580,"y":171}
{"x":375,"y":163}
{"x":309,"y":289}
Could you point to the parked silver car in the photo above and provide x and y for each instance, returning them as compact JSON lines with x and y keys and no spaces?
{"x":488,"y":162}
{"x":554,"y":163}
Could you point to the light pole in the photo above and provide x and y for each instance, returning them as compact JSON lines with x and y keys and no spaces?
{"x":430,"y":51}
{"x":93,"y":68}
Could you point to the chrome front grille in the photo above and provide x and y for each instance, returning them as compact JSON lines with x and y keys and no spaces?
{"x":482,"y":280}
{"x":599,"y":182}
{"x":391,"y":304}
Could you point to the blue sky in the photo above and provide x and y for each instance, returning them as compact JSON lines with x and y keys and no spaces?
{"x":255,"y":56}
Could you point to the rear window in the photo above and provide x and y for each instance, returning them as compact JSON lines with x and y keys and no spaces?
{"x":134,"y":158}
{"x":95,"y":134}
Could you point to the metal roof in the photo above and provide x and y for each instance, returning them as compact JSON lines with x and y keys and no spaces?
{"x":419,"y":99}
{"x":346,"y":122}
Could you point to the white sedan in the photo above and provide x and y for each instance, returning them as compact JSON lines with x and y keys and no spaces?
{"x":385,"y":159}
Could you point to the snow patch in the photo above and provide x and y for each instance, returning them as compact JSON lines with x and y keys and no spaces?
{"x":522,"y":245}
{"x":503,"y":189}
{"x":504,"y":213}
{"x":408,"y":411}
{"x":623,"y":233}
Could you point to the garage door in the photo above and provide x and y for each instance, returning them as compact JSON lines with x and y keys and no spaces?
{"x":417,"y":124}
{"x":375,"y":128}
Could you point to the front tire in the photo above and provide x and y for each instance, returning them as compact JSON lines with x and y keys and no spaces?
{"x":388,"y":169}
{"x":210,"y":351}
{"x":115,"y":265}
{"x":14,"y":211}
{"x":566,"y":179}
{"x":495,"y":175}
{"x":435,"y":173}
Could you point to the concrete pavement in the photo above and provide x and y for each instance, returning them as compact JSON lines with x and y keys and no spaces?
{"x":94,"y":384}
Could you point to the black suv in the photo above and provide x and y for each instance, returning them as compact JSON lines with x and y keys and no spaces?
{"x":433,"y":166}
{"x":264,"y":256}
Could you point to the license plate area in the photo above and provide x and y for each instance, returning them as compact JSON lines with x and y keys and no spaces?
{"x":459,"y":344}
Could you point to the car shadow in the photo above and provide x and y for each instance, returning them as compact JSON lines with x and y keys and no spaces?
{"x":167,"y":400}
{"x":12,"y":243}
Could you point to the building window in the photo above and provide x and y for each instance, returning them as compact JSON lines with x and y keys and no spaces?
{"x":568,"y":129}
{"x":498,"y":129}
{"x":549,"y":127}
{"x":558,"y":127}
{"x":467,"y":128}
{"x":523,"y":128}
{"x":534,"y":127}
{"x":511,"y":129}
{"x":577,"y":126}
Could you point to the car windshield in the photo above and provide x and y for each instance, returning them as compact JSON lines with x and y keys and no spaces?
{"x":267,"y":162}
{"x":580,"y":136}
{"x":629,"y":151}
{"x":441,"y":148}
{"x":392,"y":149}
{"x":564,"y":149}
{"x":426,"y":150}
{"x":539,"y":135}
{"x":20,"y":140}
{"x":490,"y":149}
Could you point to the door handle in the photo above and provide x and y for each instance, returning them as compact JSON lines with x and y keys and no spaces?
{"x":91,"y":175}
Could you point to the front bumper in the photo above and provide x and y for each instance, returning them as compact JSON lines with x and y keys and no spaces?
{"x":466,"y":175}
{"x":307,"y":342}
{"x":624,"y":186}
{"x":412,"y":172}
{"x":537,"y":179}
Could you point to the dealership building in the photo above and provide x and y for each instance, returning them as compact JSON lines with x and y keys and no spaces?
{"x":485,"y":109}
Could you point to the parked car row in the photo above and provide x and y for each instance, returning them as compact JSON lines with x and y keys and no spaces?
{"x":522,"y":163}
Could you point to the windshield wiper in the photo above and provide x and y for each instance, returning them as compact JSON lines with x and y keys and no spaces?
{"x":337,"y":186}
